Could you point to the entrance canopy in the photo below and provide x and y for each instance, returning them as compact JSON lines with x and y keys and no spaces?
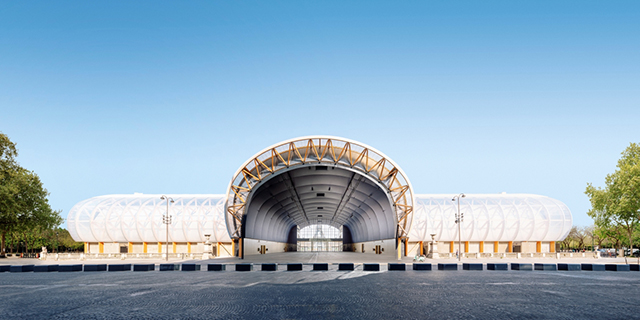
{"x":319,"y":180}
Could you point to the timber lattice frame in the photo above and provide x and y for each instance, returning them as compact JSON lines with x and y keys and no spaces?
{"x":334,"y":151}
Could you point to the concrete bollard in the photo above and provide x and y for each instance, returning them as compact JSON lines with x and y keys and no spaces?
{"x":95,"y":267}
{"x":320,"y":267}
{"x":346,"y":267}
{"x":144,"y":267}
{"x":472,"y":266}
{"x":522,"y":266}
{"x":371,"y":267}
{"x":69,"y":268}
{"x":447,"y":266}
{"x":568,"y":267}
{"x":269,"y":267}
{"x":396,"y":267}
{"x":497,"y":266}
{"x":119,"y":267}
{"x":190,"y":267}
{"x":45,"y":268}
{"x":294,"y":267}
{"x":545,"y":267}
{"x":169,"y":267}
{"x":216,"y":267}
{"x":422,"y":267}
{"x":244,"y":267}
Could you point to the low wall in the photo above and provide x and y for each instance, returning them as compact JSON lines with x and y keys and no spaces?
{"x":252,"y":246}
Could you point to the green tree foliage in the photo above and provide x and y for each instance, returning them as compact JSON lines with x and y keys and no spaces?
{"x":24,"y":207}
{"x":616,"y":207}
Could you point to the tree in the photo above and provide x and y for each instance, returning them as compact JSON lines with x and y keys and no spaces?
{"x":24,"y":206}
{"x":618,"y":203}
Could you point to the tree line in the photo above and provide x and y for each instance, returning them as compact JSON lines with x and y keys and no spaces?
{"x":27,"y":221}
{"x":615,"y":208}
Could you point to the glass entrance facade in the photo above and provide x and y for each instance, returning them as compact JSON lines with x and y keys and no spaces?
{"x":319,"y":237}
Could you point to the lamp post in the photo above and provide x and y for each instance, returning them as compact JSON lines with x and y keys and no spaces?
{"x":166,"y":219}
{"x":459,"y":219}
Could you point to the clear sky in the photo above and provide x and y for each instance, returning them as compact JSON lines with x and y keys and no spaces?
{"x":466,"y":96}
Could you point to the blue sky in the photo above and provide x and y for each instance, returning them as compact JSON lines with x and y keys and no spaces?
{"x":466,"y":96}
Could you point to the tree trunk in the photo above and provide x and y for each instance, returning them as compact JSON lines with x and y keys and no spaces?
{"x":2,"y":244}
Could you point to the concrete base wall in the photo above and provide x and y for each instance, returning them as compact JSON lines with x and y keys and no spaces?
{"x":251,"y":246}
{"x":152,"y":247}
{"x":474,"y":247}
{"x":388,"y":246}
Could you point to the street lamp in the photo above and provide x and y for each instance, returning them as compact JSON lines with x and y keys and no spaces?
{"x":459,"y":219}
{"x":166,"y":219}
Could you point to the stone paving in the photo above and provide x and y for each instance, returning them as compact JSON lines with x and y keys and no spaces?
{"x":320,"y":294}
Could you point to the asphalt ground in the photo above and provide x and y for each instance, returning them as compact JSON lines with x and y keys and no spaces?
{"x":320,"y":295}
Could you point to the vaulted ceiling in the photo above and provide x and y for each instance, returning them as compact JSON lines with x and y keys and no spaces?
{"x":319,"y":194}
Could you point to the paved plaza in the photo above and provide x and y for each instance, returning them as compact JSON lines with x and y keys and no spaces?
{"x":320,"y":294}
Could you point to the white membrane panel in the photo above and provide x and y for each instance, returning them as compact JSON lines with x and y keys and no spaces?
{"x":138,"y":218}
{"x":491,"y":217}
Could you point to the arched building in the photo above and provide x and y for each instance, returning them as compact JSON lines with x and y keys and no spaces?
{"x":316,"y":181}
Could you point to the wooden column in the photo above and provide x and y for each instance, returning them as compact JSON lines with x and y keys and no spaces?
{"x":481,"y":246}
{"x":539,"y":246}
{"x":159,"y":247}
{"x":130,"y":249}
{"x":510,"y":249}
{"x":188,"y":247}
{"x":552,"y":246}
{"x":144,"y":247}
{"x":466,"y":246}
{"x":86,"y":247}
{"x":451,"y":246}
{"x":174,"y":247}
{"x":421,"y":248}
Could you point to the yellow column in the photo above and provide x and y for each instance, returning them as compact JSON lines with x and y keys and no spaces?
{"x":451,"y":247}
{"x":552,"y":246}
{"x":188,"y":247}
{"x":481,"y":246}
{"x":539,"y":246}
{"x":101,"y":247}
{"x":466,"y":246}
{"x":233,"y":248}
{"x":495,"y":246}
{"x":174,"y":247}
{"x":144,"y":247}
{"x":130,"y":247}
{"x":510,"y":249}
{"x":421,"y":248}
{"x":86,"y":247}
{"x":159,"y":247}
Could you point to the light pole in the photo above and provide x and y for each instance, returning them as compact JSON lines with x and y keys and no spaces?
{"x":459,"y":219}
{"x":166,"y":219}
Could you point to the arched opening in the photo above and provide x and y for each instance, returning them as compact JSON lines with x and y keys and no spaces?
{"x":318,"y":181}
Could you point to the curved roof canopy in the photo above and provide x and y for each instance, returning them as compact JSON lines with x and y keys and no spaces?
{"x":319,"y":179}
{"x":138,"y":218}
{"x":491,"y":217}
